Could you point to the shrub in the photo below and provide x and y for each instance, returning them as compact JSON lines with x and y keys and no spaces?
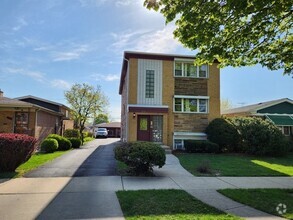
{"x":63,"y":143}
{"x":193,"y":146}
{"x":141,"y":157}
{"x":204,"y":167}
{"x":15,"y":149}
{"x":261,"y":137}
{"x":75,"y":142}
{"x":49,"y":145}
{"x":71,"y":133}
{"x":223,"y":133}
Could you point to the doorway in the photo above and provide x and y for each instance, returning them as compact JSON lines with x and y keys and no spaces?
{"x":150,"y":128}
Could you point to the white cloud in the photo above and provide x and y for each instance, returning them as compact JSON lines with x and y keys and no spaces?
{"x":35,"y":75}
{"x":21,"y":22}
{"x":61,"y":84}
{"x":71,"y":54}
{"x":88,"y":3}
{"x":105,"y":77}
{"x":160,"y":41}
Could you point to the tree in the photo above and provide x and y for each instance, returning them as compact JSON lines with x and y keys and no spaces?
{"x":235,"y":32}
{"x":85,"y":102}
{"x":226,"y":104}
{"x":101,"y":118}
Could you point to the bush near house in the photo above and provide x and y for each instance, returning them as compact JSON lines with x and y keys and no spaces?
{"x":75,"y":142}
{"x":15,"y":149}
{"x":49,"y":145}
{"x":192,"y":146}
{"x":63,"y":143}
{"x":71,"y":133}
{"x":141,"y":157}
{"x":223,"y":133}
{"x":260,"y":137}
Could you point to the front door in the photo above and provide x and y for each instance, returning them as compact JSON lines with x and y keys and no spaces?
{"x":150,"y":128}
{"x":143,"y":128}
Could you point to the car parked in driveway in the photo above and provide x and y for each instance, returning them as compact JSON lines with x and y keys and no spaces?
{"x":101,"y":133}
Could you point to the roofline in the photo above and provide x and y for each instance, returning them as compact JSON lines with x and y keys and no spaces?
{"x":145,"y":55}
{"x":275,"y":102}
{"x":41,"y":99}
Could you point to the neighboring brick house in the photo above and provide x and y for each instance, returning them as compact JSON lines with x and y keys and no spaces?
{"x":166,"y":99}
{"x":279,"y":111}
{"x":33,"y":116}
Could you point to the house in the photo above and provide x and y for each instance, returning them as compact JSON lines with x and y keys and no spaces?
{"x":112,"y":127}
{"x":166,"y":99}
{"x":33,"y":116}
{"x":280,"y":112}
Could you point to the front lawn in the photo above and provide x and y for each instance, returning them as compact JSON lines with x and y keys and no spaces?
{"x":266,"y":200}
{"x":35,"y":161}
{"x":166,"y":204}
{"x":237,"y":165}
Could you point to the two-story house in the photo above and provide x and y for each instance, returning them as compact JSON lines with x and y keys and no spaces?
{"x":166,"y":99}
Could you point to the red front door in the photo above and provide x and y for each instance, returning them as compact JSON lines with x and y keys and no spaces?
{"x":144,"y":128}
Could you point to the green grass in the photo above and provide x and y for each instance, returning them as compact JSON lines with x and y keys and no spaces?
{"x":87,"y":139}
{"x":35,"y":161}
{"x":238,"y":165}
{"x":263,"y":199}
{"x":166,"y":204}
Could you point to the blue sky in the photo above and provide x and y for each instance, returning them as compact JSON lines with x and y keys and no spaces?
{"x":47,"y":46}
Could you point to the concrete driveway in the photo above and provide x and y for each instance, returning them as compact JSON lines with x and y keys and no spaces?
{"x":95,"y":158}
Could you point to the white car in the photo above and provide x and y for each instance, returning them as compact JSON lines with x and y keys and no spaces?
{"x":101,"y":132}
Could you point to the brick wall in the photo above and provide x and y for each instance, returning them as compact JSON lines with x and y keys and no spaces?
{"x":6,"y":122}
{"x":191,"y":86}
{"x":190,"y":122}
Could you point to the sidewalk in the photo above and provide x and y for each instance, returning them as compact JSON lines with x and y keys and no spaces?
{"x":95,"y":198}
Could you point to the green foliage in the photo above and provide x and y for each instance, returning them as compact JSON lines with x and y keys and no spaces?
{"x":237,"y":33}
{"x":49,"y":145}
{"x":101,"y":118}
{"x":71,"y":133}
{"x":15,"y":149}
{"x":261,"y":137}
{"x":141,"y":157}
{"x":63,"y":143}
{"x":223,"y":133}
{"x":87,"y":134}
{"x":75,"y":142}
{"x":193,"y":146}
{"x":88,"y":139}
{"x":85,"y":101}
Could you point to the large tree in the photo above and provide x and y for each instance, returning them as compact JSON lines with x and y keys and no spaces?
{"x":236,"y":32}
{"x":86,"y":102}
{"x":101,"y":118}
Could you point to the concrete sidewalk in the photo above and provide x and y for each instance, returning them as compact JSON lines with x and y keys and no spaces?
{"x":95,"y":198}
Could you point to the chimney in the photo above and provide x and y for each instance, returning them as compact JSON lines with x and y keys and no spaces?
{"x":1,"y":93}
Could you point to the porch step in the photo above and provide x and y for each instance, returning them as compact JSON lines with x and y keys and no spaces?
{"x":167,"y":149}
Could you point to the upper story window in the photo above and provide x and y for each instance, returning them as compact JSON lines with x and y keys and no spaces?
{"x":150,"y":84}
{"x":191,"y":104}
{"x":188,"y":69}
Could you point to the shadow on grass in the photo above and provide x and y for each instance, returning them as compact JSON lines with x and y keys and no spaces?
{"x":8,"y":175}
{"x":238,"y":164}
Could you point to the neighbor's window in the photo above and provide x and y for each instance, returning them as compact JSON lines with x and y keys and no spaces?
{"x":191,"y":105}
{"x":286,"y":130}
{"x":187,"y":69}
{"x":150,"y":84}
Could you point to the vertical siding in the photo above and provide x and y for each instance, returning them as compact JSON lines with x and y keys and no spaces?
{"x":144,"y":65}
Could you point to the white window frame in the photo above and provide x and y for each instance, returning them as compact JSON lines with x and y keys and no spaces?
{"x":183,"y":68}
{"x":198,"y":98}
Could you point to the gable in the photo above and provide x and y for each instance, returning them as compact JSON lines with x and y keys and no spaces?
{"x":281,"y":108}
{"x":42,"y":104}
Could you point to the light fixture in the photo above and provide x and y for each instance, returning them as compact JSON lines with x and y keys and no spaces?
{"x":133,"y":114}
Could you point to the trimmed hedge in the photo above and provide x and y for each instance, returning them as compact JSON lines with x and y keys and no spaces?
{"x":71,"y":133}
{"x":63,"y":143}
{"x":193,"y":146}
{"x":75,"y":142}
{"x":15,"y":149}
{"x":223,"y":133}
{"x":49,"y":145}
{"x":141,"y":157}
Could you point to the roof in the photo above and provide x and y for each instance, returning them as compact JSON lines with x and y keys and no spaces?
{"x":281,"y":120}
{"x":41,"y":99}
{"x":109,"y":125}
{"x":252,"y":109}
{"x":145,"y":55}
{"x":8,"y":102}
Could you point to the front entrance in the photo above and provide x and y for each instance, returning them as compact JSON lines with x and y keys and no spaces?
{"x":150,"y":128}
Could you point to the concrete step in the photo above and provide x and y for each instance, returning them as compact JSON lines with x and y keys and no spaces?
{"x":167,"y":149}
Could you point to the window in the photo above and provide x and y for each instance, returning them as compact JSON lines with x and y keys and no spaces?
{"x":191,"y":105}
{"x":187,"y":69}
{"x":179,"y":144}
{"x":150,"y":84}
{"x":286,"y":130}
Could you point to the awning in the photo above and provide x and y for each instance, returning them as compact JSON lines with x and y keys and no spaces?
{"x":281,"y":120}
